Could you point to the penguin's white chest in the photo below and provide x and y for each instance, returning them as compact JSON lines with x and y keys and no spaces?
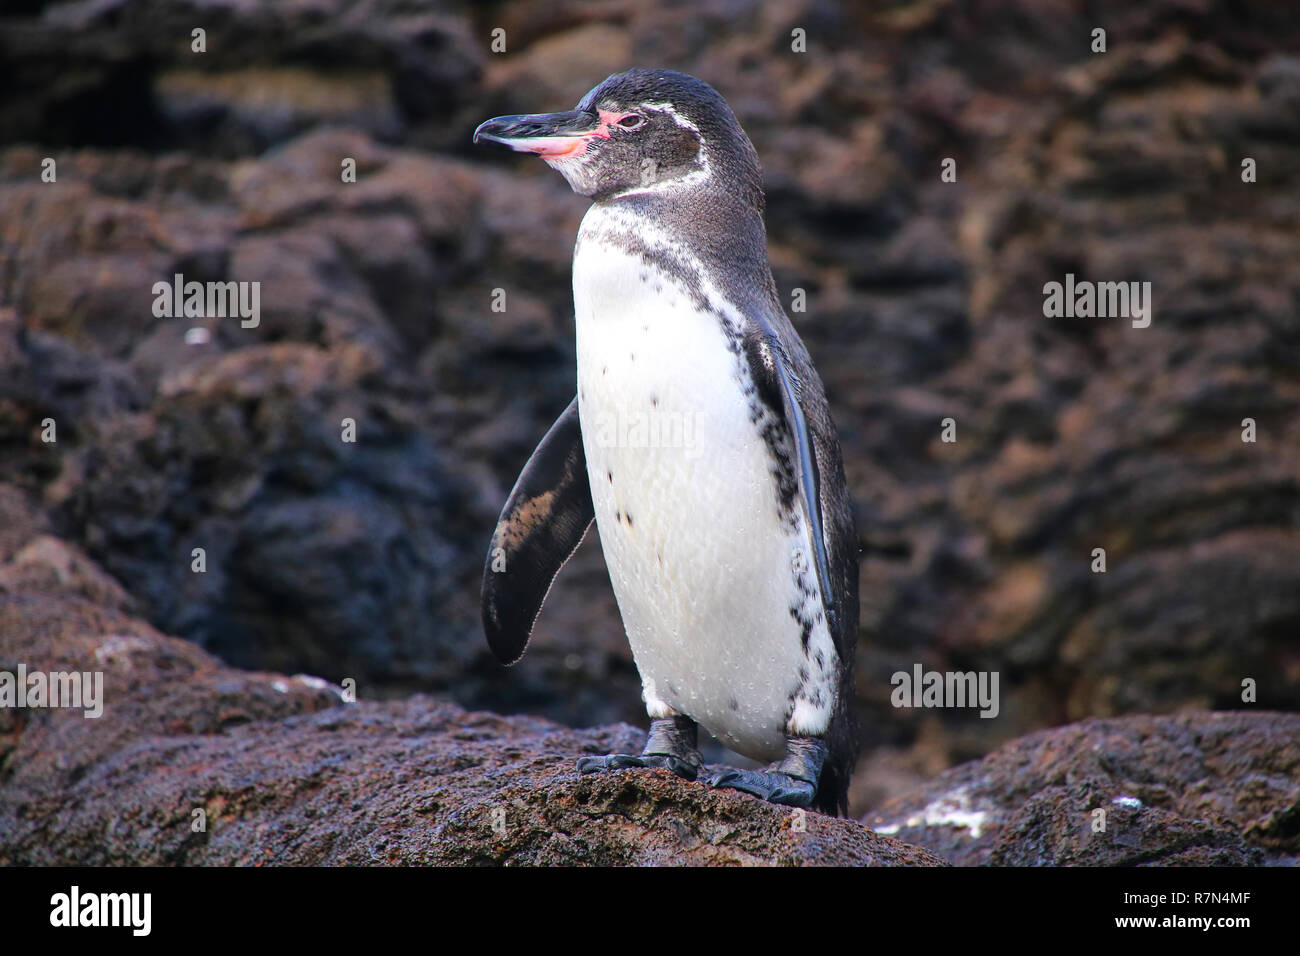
{"x":703,"y":562}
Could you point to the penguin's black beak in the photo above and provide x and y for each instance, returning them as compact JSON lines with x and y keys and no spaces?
{"x":550,"y":135}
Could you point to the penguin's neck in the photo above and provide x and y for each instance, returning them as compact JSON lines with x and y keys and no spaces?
{"x":699,"y":229}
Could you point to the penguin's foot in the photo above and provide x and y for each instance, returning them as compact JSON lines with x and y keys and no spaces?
{"x":767,"y":785}
{"x":683,"y":768}
{"x":791,"y":782}
{"x":672,"y":744}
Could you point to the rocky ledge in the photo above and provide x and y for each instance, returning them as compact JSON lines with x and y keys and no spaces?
{"x":194,"y":762}
{"x":1194,"y":789}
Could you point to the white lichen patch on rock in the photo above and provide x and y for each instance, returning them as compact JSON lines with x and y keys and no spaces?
{"x":953,"y":809}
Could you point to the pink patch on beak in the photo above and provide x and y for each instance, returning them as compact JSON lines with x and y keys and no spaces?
{"x":552,"y":147}
{"x":558,"y":148}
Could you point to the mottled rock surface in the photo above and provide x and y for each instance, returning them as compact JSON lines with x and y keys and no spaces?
{"x":924,"y":301}
{"x":1195,"y":789}
{"x":284,"y":772}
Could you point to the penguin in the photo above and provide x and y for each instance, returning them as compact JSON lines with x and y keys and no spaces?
{"x":701,"y":444}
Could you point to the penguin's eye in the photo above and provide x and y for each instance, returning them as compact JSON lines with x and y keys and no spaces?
{"x":632,"y":121}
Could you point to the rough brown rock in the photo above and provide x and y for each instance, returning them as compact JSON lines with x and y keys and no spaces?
{"x":285,"y":772}
{"x":1195,"y":789}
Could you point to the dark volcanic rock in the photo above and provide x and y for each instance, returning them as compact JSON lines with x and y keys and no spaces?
{"x":285,"y":772}
{"x":126,"y":72}
{"x":1192,"y":789}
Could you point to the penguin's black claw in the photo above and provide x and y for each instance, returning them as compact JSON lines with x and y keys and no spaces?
{"x":672,"y":743}
{"x":684,"y":768}
{"x":791,"y":783}
{"x":769,"y":785}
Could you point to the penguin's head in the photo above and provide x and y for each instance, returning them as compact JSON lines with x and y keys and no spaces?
{"x":640,"y":132}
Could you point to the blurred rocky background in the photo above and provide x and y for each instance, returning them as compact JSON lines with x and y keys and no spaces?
{"x":924,"y":301}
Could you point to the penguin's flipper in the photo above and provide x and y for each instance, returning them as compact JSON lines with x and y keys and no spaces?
{"x":779,"y":386}
{"x":542,"y":524}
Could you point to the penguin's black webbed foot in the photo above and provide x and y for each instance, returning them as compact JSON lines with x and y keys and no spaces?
{"x":791,"y":783}
{"x":769,"y":785}
{"x":683,"y":768}
{"x":671,"y":744}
